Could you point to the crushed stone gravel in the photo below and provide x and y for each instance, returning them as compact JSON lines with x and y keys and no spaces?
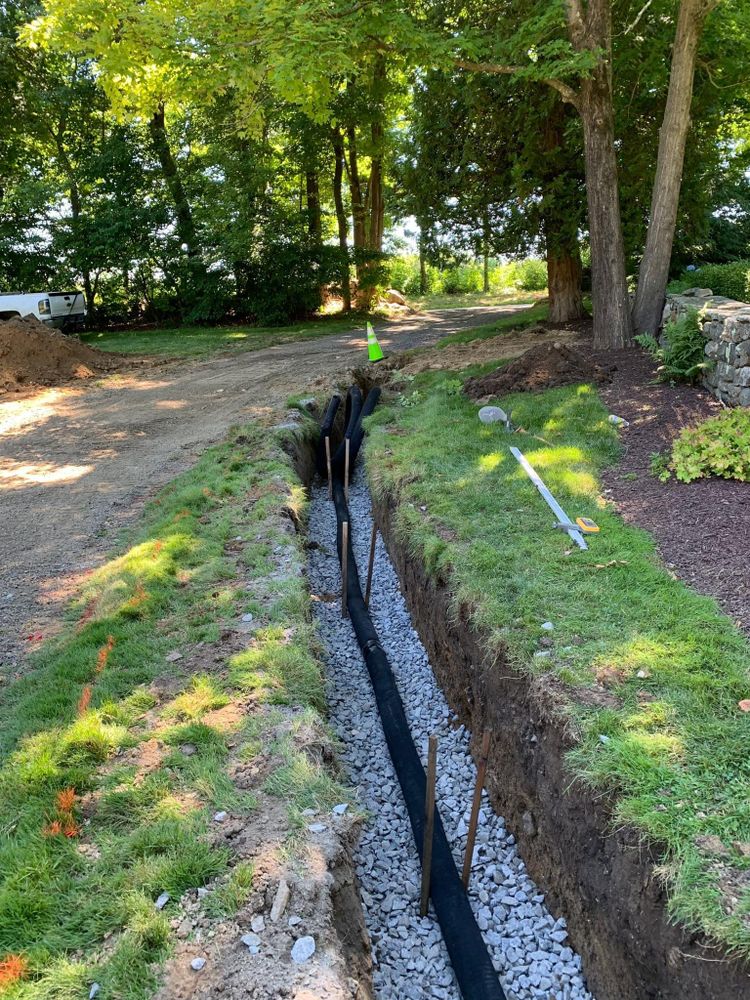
{"x":528,"y":945}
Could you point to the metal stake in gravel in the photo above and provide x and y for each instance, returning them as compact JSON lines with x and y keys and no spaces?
{"x":344,"y":567}
{"x":371,"y":563}
{"x":477,"y":801}
{"x":328,"y":466}
{"x":429,"y":825}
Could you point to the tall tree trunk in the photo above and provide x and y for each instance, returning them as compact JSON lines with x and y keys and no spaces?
{"x":312,"y":190}
{"x":75,"y":212}
{"x":592,"y":30}
{"x":560,"y":224}
{"x":665,"y":198}
{"x":359,"y":213}
{"x":183,"y":212}
{"x":485,"y":253}
{"x":341,"y":219}
{"x":564,"y":284}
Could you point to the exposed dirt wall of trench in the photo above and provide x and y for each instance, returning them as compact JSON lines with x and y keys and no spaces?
{"x":602,"y":881}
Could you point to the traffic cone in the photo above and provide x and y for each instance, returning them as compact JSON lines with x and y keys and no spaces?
{"x":373,"y":347}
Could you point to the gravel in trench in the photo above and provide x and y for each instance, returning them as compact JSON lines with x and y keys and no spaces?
{"x":528,"y":945}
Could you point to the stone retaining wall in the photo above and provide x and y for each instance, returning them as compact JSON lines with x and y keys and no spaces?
{"x":726,"y":327}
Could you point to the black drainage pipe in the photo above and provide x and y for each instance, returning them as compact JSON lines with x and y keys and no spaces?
{"x":471,"y":962}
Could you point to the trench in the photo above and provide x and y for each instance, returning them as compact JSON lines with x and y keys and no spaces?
{"x":528,"y":945}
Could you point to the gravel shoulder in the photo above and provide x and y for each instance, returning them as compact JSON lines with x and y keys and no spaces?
{"x":76,"y":463}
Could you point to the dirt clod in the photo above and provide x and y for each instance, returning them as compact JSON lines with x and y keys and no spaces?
{"x":543,"y":366}
{"x":32,"y":354}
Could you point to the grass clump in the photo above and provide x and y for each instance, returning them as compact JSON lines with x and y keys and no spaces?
{"x":671,"y":747}
{"x":107,"y":782}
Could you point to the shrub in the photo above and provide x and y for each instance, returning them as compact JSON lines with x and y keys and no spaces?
{"x":682,"y":357}
{"x":731,"y":280}
{"x":463,"y":278}
{"x":720,"y":446}
{"x":531,"y":275}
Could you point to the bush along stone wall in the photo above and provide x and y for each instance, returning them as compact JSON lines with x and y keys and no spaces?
{"x":726,"y":327}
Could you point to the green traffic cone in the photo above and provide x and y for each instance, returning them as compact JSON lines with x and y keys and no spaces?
{"x":373,"y":347}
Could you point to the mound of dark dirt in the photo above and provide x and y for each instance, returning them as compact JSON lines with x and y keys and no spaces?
{"x":32,"y":354}
{"x":543,"y":366}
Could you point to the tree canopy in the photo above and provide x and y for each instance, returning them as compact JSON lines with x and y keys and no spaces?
{"x":202,"y":159}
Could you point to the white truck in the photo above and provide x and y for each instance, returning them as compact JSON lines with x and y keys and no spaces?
{"x":64,"y":310}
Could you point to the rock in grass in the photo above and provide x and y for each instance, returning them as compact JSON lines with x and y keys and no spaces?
{"x":162,"y":901}
{"x":95,"y":987}
{"x":258,"y":924}
{"x":197,"y":964}
{"x":174,"y":656}
{"x":303,"y":949}
{"x":220,"y":816}
{"x":340,"y":809}
{"x":280,"y":900}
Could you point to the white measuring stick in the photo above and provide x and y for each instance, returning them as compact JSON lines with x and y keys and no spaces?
{"x":573,"y":530}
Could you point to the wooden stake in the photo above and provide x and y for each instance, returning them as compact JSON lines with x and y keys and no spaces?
{"x":344,"y":567}
{"x":429,"y":825}
{"x":371,"y":563}
{"x":481,"y":771}
{"x":346,"y":470}
{"x":328,"y":466}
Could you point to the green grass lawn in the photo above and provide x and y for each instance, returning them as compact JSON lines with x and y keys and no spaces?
{"x":193,"y":341}
{"x":89,"y":835}
{"x":441,"y":300}
{"x":672,"y":747}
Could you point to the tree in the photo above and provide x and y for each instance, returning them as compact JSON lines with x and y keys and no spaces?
{"x":496,"y":167}
{"x":654,"y":270}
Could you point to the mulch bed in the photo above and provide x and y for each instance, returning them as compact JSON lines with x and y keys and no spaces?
{"x":702,"y":528}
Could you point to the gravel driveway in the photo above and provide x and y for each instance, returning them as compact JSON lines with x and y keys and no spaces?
{"x":76,"y":463}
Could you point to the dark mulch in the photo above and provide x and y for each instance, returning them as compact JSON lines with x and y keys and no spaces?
{"x":702,"y":528}
{"x":541,"y":367}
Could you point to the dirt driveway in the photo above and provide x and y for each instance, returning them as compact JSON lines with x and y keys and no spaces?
{"x":76,"y":463}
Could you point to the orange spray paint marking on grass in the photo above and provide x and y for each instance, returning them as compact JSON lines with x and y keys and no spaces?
{"x":85,"y":700}
{"x":66,"y":799}
{"x":70,"y":828}
{"x":103,"y":655}
{"x":87,"y":614}
{"x":13,"y":968}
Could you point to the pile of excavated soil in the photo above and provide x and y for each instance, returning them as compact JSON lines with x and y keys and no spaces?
{"x":32,"y":354}
{"x":542,"y":367}
{"x":509,"y":344}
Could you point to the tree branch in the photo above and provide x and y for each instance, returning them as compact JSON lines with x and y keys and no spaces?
{"x":567,"y":93}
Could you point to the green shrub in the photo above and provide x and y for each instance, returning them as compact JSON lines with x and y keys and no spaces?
{"x":682,"y":357}
{"x":463,"y":278}
{"x":720,"y":446}
{"x":731,"y":280}
{"x":531,"y":275}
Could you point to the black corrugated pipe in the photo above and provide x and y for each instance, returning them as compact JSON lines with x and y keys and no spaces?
{"x":472,"y":965}
{"x":325,"y":431}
